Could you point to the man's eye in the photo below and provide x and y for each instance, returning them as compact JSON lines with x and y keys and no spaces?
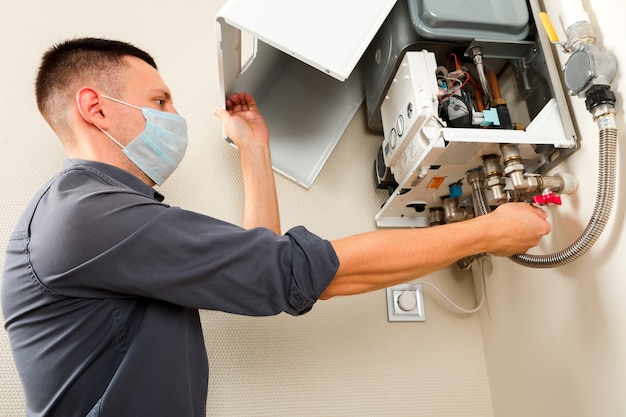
{"x":160,"y":102}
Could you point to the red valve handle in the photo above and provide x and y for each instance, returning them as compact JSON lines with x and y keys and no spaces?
{"x":545,"y":199}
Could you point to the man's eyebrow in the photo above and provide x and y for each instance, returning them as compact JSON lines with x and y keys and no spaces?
{"x":161,"y":92}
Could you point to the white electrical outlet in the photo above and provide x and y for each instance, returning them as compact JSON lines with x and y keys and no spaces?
{"x":412,"y":309}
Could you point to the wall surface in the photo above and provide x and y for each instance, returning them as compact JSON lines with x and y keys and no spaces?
{"x":343,"y":358}
{"x":554,"y":339}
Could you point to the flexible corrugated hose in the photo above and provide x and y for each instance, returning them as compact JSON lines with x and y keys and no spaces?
{"x":603,"y":205}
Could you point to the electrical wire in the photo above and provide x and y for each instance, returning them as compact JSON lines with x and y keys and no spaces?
{"x":483,"y":295}
{"x":460,"y":77}
{"x":452,"y":90}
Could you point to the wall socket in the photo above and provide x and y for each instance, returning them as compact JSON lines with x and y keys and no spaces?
{"x":395,"y":313}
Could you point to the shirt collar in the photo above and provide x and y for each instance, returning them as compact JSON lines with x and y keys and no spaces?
{"x":117,"y":174}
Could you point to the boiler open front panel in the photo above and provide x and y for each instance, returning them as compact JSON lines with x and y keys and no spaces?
{"x":302,"y":69}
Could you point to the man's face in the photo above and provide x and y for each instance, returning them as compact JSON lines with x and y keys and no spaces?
{"x":144,"y":87}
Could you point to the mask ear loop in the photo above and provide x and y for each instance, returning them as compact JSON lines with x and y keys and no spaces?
{"x":107,"y":134}
{"x":121,"y":102}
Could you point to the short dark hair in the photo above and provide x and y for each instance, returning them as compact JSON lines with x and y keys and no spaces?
{"x":80,"y":60}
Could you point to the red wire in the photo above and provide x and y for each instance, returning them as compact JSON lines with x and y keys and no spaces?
{"x":454,"y":80}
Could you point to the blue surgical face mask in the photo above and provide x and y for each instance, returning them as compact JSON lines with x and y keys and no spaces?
{"x":157,"y":150}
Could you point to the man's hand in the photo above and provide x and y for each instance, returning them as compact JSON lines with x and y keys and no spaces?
{"x":243,"y":123}
{"x":515,"y":228}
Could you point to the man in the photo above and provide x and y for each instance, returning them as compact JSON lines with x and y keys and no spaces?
{"x":103,"y":281}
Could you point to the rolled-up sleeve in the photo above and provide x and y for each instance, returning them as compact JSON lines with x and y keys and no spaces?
{"x":311,"y":257}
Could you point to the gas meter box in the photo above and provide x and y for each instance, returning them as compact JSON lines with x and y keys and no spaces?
{"x":300,"y":60}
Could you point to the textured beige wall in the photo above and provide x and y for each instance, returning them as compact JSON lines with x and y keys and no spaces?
{"x":342,"y":359}
{"x":554,"y":339}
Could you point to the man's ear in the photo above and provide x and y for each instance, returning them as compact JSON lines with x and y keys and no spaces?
{"x":90,"y":106}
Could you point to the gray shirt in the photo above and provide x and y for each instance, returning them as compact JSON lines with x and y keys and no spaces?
{"x":103,"y":281}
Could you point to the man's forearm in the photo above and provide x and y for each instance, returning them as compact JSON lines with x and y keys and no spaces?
{"x":380,"y":259}
{"x":384,"y":258}
{"x":260,"y":201}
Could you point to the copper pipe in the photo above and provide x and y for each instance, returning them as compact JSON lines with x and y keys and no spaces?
{"x":495,"y":88}
{"x":478,"y":92}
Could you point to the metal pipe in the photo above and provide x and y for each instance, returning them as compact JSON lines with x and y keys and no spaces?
{"x":476,"y":178}
{"x":477,"y":57}
{"x":494,"y":179}
{"x":452,"y":212}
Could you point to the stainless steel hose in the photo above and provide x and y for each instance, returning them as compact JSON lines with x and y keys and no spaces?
{"x":604,"y":200}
